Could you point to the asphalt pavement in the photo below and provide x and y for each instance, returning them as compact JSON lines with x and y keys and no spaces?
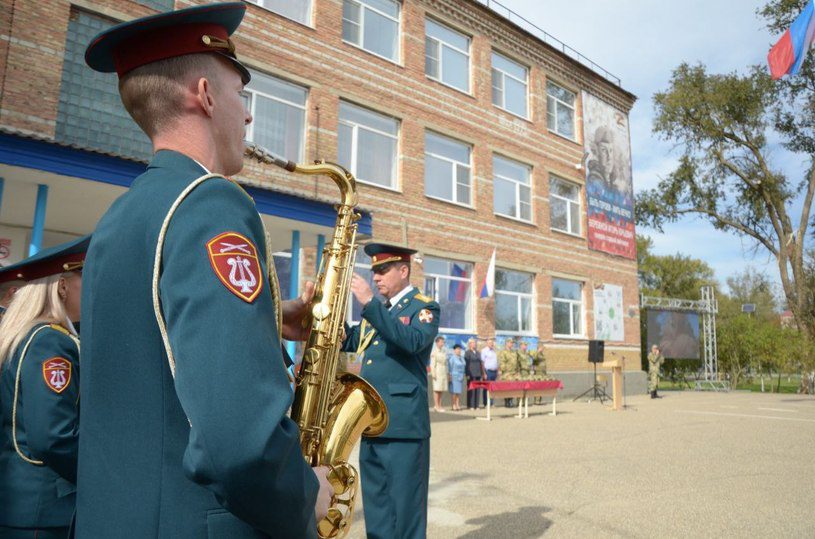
{"x":691,"y":464}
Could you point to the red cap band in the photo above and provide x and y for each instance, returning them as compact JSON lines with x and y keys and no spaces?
{"x":52,"y":266}
{"x":160,"y":44}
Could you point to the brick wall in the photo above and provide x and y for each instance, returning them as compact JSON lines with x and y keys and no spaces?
{"x":317,"y":57}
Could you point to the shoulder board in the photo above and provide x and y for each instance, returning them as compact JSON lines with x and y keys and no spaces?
{"x":60,"y":329}
{"x":422,"y":297}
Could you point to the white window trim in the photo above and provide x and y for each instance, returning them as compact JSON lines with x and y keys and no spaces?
{"x":349,"y":311}
{"x":437,"y":276}
{"x":469,"y":90}
{"x":309,"y":24}
{"x":525,"y":82}
{"x":568,"y":201}
{"x":355,"y":138}
{"x":518,"y":185}
{"x":581,"y":334}
{"x":250,"y":131}
{"x":518,"y":312}
{"x":572,"y":106}
{"x":363,"y":6}
{"x":454,"y":177}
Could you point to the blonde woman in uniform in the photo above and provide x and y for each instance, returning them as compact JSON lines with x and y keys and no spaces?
{"x":39,"y":394}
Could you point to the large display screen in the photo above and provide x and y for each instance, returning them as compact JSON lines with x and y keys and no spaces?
{"x":675,"y":332}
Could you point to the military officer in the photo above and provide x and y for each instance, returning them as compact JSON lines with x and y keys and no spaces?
{"x":185,"y":392}
{"x":394,"y":340}
{"x":524,"y":360}
{"x":39,"y":393}
{"x":539,"y":361}
{"x":655,"y":361}
{"x":508,"y":365}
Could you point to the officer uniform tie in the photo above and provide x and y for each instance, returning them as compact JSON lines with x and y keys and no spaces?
{"x":388,"y":304}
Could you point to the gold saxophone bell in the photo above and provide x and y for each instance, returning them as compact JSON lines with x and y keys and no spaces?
{"x":332,"y":410}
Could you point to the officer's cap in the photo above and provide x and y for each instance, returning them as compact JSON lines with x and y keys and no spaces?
{"x":382,"y":253}
{"x":139,"y":42}
{"x":68,"y":256}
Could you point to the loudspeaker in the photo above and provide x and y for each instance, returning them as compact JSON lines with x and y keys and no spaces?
{"x":596,"y":351}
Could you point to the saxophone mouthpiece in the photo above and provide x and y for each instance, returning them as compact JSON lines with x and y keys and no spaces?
{"x":263,"y":155}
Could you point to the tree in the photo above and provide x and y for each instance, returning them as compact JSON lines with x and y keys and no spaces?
{"x":725,"y":173}
{"x":670,"y":276}
{"x":753,"y":287}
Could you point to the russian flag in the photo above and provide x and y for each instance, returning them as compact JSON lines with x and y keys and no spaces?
{"x":788,"y":54}
{"x":458,"y":289}
{"x":489,"y":281}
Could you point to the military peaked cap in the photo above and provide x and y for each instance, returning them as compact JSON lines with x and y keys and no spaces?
{"x":382,"y":253}
{"x":139,"y":42}
{"x":68,"y":256}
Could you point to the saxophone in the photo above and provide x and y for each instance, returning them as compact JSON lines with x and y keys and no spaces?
{"x":332,"y":410}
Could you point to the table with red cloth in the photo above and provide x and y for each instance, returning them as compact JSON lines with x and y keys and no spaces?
{"x":522,"y":389}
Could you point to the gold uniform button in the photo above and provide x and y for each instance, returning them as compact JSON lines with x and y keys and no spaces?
{"x":376,"y":342}
{"x":369,"y":362}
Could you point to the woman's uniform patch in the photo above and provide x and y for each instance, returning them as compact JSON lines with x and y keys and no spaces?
{"x":57,"y":373}
{"x":234,"y":259}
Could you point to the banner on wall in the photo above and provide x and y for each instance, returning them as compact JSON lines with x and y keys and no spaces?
{"x":609,"y":190}
{"x":608,"y":313}
{"x":13,"y":245}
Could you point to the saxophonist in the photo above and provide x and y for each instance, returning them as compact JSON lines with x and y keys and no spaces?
{"x":184,"y":391}
{"x":394,"y":341}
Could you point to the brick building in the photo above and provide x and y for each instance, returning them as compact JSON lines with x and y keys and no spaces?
{"x":464,"y":130}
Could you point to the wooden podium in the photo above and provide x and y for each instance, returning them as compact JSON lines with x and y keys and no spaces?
{"x":616,"y":367}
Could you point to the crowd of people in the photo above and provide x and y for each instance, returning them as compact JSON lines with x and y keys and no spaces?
{"x":452,"y":370}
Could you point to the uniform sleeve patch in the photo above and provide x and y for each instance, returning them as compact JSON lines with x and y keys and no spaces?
{"x":234,"y":260}
{"x":425,"y":316}
{"x":57,"y":373}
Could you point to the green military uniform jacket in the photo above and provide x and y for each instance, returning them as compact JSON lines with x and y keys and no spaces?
{"x":539,"y":362}
{"x":37,"y":477}
{"x":524,"y":363}
{"x":394,"y":361}
{"x":508,"y":361}
{"x":655,"y":361}
{"x":210,"y":450}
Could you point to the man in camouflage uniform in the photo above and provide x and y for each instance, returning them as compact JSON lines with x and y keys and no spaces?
{"x":524,"y":361}
{"x":508,"y":365}
{"x":539,"y":361}
{"x":655,"y":361}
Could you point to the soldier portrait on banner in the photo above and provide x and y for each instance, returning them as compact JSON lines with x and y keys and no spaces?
{"x":609,"y":190}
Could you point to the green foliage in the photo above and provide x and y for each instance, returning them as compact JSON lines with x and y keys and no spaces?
{"x":721,"y":124}
{"x":671,"y":276}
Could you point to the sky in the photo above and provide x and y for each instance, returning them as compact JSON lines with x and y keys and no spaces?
{"x":642,"y":42}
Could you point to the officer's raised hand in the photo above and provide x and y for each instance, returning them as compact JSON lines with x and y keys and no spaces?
{"x":361,"y":289}
{"x":295,"y":311}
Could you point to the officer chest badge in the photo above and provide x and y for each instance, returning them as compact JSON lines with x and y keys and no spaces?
{"x":234,"y":259}
{"x":425,"y":316}
{"x":57,"y":373}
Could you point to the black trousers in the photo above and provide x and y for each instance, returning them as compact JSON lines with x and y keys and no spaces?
{"x":473,"y":394}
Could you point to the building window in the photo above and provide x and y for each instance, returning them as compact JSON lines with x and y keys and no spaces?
{"x":449,"y":282}
{"x":513,"y":301}
{"x":282,"y":264}
{"x":560,"y":110}
{"x":564,"y":202}
{"x":296,"y":10}
{"x":372,"y":25}
{"x":567,"y":308}
{"x":447,"y":169}
{"x":512,"y":192}
{"x":447,"y":56}
{"x":367,"y":145}
{"x":509,"y":80}
{"x":278,"y":115}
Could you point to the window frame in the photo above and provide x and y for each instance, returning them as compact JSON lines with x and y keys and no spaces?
{"x":349,"y":311}
{"x":581,"y":334}
{"x":518,"y":186}
{"x":441,"y":44}
{"x":469,"y":318}
{"x":519,"y":306}
{"x":572,"y":106}
{"x":525,"y":82}
{"x":553,"y":178}
{"x":354,"y":145}
{"x":310,"y":17}
{"x":252,"y":93}
{"x":454,"y":175}
{"x":364,"y":6}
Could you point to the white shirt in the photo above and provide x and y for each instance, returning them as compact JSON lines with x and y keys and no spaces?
{"x":490,"y":359}
{"x":395,"y":299}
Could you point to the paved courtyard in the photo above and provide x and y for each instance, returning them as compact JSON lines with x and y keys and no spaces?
{"x":687,"y":465}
